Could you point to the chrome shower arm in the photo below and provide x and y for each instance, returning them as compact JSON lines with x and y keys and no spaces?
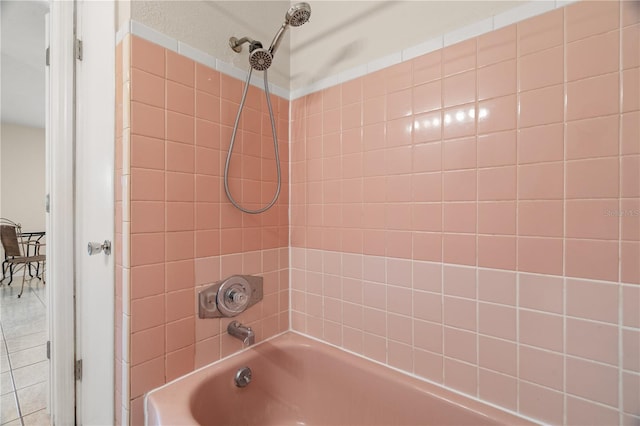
{"x":278,"y":38}
{"x":236,"y":43}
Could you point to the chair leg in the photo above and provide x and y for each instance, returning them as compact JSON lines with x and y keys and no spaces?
{"x":23,"y":277}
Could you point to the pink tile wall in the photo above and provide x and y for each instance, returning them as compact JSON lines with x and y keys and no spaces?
{"x":183,"y":232}
{"x":499,"y":177}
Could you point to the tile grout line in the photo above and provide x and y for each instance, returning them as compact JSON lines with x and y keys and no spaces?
{"x":13,"y":381}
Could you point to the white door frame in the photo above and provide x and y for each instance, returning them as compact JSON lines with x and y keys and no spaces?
{"x":63,"y":249}
{"x":61,"y":220}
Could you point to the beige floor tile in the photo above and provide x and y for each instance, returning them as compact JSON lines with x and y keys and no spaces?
{"x":32,"y":398}
{"x":4,"y":363}
{"x":28,"y":356}
{"x":39,"y":418}
{"x":31,"y":374}
{"x":6,"y":385}
{"x":25,"y":342}
{"x":8,"y":408}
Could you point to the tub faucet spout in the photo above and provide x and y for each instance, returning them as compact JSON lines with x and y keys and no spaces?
{"x":241,"y":332}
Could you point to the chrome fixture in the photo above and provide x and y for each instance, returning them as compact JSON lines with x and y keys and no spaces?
{"x":95,"y":248}
{"x":241,"y":332}
{"x":260,"y":59}
{"x":243,"y":377}
{"x":229,"y":297}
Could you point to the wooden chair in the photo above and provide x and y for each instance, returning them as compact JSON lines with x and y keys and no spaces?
{"x":16,"y":252}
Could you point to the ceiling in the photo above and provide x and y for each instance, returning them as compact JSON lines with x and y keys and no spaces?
{"x":22,"y":62}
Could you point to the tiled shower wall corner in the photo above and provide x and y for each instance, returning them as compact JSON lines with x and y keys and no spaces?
{"x":472,"y":216}
{"x":176,"y":232}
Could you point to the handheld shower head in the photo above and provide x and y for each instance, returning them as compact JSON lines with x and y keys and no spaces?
{"x":297,"y":15}
{"x":260,"y":59}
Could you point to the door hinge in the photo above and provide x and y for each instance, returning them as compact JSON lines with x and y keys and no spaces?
{"x":47,"y":203}
{"x":47,"y":58}
{"x":78,"y":370}
{"x":48,"y":349}
{"x":78,"y":49}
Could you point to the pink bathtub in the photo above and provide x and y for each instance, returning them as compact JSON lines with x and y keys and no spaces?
{"x":298,"y":381}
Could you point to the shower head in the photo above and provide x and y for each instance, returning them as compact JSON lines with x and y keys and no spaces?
{"x":260,"y":59}
{"x":298,"y":14}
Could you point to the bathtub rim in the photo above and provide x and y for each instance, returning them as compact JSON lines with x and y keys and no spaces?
{"x":438,"y":386}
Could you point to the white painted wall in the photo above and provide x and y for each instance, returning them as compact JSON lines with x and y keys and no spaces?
{"x":207,"y":26}
{"x":22,"y":166}
{"x":344,"y":34}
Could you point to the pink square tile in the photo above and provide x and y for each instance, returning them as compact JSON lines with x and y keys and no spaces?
{"x":180,"y":216}
{"x":180,"y":334}
{"x":497,"y":80}
{"x":399,"y":104}
{"x":426,"y":217}
{"x":631,"y":350}
{"x":541,"y":367}
{"x":631,"y":392}
{"x":459,"y":281}
{"x":428,"y":336}
{"x":460,"y":313}
{"x":459,"y":57}
{"x":180,"y":127}
{"x":630,"y":222}
{"x":497,"y":355}
{"x":541,"y":255}
{"x":147,"y":216}
{"x":497,"y":217}
{"x":147,"y":153}
{"x":591,"y":259}
{"x":630,"y":176}
{"x":592,"y":300}
{"x":399,"y":272}
{"x":497,"y":184}
{"x":541,"y":403}
{"x":146,"y":345}
{"x":459,"y":89}
{"x":541,"y":330}
{"x":460,"y":376}
{"x":541,"y":181}
{"x":497,"y":46}
{"x":630,"y":14}
{"x":497,"y":321}
{"x":427,"y":127}
{"x":459,"y":121}
{"x":497,"y":286}
{"x":594,"y":341}
{"x":331,"y":97}
{"x":459,"y":185}
{"x":147,"y":281}
{"x":147,"y":249}
{"x":427,"y":67}
{"x":147,"y":56}
{"x":459,"y":154}
{"x":586,"y":19}
{"x":459,"y":249}
{"x":597,"y":178}
{"x":374,"y":84}
{"x":593,"y":56}
{"x":400,"y":329}
{"x":179,"y":245}
{"x":497,"y":114}
{"x":542,"y":106}
{"x":582,"y":412}
{"x":180,"y":98}
{"x":374,"y":110}
{"x":498,"y":389}
{"x":630,"y":90}
{"x":351,"y":116}
{"x":427,"y":246}
{"x":399,"y":131}
{"x":459,"y":217}
{"x":147,"y":313}
{"x":180,"y":157}
{"x":428,"y":365}
{"x":427,"y":97}
{"x":180,"y":275}
{"x":427,"y":306}
{"x":352,"y":91}
{"x":398,"y":76}
{"x":211,"y":108}
{"x":180,"y":362}
{"x":207,"y":79}
{"x":427,"y":187}
{"x":541,"y":69}
{"x":208,"y":134}
{"x":596,"y":382}
{"x":497,"y":252}
{"x":597,"y":137}
{"x":147,"y":376}
{"x":593,"y":97}
{"x":400,"y":355}
{"x":460,"y":345}
{"x":589,"y":219}
{"x":496,"y":149}
{"x":541,"y":144}
{"x":631,"y":45}
{"x":331,"y":121}
{"x":147,"y":120}
{"x":629,"y":254}
{"x":230,"y":88}
{"x":541,"y":292}
{"x":147,"y":88}
{"x":541,"y":32}
{"x":180,"y":69}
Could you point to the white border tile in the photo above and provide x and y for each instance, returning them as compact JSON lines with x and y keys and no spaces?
{"x":468,"y":32}
{"x":521,"y":13}
{"x":423,"y":48}
{"x":147,"y":33}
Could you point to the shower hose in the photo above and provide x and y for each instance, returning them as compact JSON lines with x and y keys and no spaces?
{"x":233,"y":139}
